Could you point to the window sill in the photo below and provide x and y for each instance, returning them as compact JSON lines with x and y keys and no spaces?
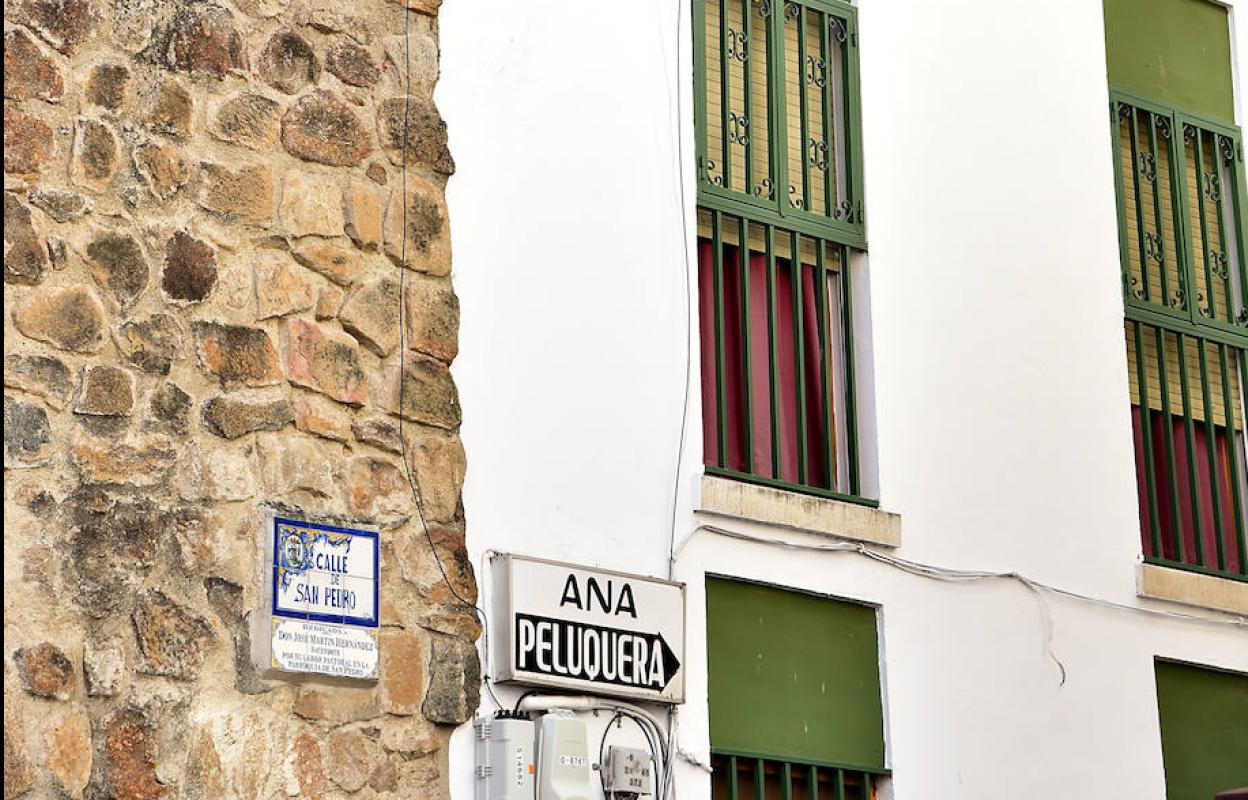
{"x":1193,"y":589}
{"x":801,"y":511}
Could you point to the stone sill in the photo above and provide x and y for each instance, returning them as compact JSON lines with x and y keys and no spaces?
{"x":1193,"y":589}
{"x":801,"y":511}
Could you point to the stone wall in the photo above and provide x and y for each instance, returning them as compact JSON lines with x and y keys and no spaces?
{"x":203,"y":237}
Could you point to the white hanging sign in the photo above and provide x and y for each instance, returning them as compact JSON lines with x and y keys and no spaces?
{"x":589,"y":630}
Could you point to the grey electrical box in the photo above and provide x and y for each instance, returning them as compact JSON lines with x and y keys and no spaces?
{"x":628,"y":771}
{"x":563,"y":768}
{"x":505,"y":765}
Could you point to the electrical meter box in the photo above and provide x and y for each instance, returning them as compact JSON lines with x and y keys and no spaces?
{"x":628,"y":772}
{"x":563,"y":767}
{"x":505,"y":765}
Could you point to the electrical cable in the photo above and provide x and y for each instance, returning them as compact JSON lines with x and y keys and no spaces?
{"x":412,"y":481}
{"x":688,"y":319}
{"x":953,"y":575}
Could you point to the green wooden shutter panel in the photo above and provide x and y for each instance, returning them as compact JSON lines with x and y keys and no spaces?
{"x":793,"y":676}
{"x":1178,"y":51}
{"x":1204,"y":730}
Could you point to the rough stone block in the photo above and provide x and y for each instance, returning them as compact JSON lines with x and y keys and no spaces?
{"x":321,"y":417}
{"x":288,"y":63}
{"x":69,"y":318}
{"x":106,"y":391}
{"x":321,"y":128}
{"x":45,"y":671}
{"x":237,"y":355}
{"x":43,"y":376}
{"x":326,"y":362}
{"x":109,"y":86}
{"x":382,"y":432}
{"x":361,"y":205}
{"x":417,"y":237}
{"x":439,"y":462}
{"x":336,"y":263}
{"x":231,"y":416}
{"x":173,"y":640}
{"x":70,"y":753}
{"x":103,"y":668}
{"x":162,"y":169}
{"x":25,"y":252}
{"x":190,"y":271}
{"x":432,"y":319}
{"x":118,"y":265}
{"x":242,"y":195}
{"x":171,"y":109}
{"x":96,"y":155}
{"x":246,"y":119}
{"x":29,"y":74}
{"x":27,"y":435}
{"x":28,"y":142}
{"x":150,"y":343}
{"x":426,"y":133}
{"x":352,"y":64}
{"x":454,"y":681}
{"x":371,"y":315}
{"x":64,"y":24}
{"x":58,"y":204}
{"x":310,"y":205}
{"x":282,"y":288}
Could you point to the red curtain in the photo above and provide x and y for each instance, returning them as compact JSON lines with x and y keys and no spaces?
{"x":1188,"y":507}
{"x":734,"y":327}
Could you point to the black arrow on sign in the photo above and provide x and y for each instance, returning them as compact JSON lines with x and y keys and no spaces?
{"x":565,"y":649}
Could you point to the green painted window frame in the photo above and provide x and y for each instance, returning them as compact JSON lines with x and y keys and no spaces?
{"x":780,"y":211}
{"x":777,"y":218}
{"x":1179,"y":315}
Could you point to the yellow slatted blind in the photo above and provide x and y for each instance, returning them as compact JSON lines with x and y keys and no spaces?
{"x":817,"y":151}
{"x":1174,"y":386}
{"x":1151,"y":155}
{"x":750,"y":124}
{"x":1157,"y":161}
{"x":1211,"y":165}
{"x":811,"y":177}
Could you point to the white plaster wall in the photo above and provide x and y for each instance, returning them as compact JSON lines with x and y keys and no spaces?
{"x":997,"y":358}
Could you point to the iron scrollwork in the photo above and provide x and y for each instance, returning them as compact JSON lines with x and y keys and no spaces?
{"x":1218,"y":264}
{"x":816,"y":71}
{"x":817,"y":153}
{"x":838,"y":29}
{"x":794,"y":200}
{"x":1148,"y":167}
{"x":708,"y":167}
{"x":738,"y":129}
{"x":1154,"y":247}
{"x":1226,"y":145}
{"x":738,"y":45}
{"x":1213,"y":186}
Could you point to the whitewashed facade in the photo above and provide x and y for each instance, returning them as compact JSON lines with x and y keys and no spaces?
{"x":991,"y":366}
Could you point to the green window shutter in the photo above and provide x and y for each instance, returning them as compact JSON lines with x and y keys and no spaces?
{"x":793,"y":676}
{"x":1204,"y":730}
{"x":1177,"y":51}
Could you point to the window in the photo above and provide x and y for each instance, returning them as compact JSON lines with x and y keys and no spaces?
{"x":1204,"y":741}
{"x":794,"y":688}
{"x":780,"y":212}
{"x":1179,"y":173}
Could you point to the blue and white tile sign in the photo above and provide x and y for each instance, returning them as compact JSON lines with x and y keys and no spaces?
{"x":324,"y":592}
